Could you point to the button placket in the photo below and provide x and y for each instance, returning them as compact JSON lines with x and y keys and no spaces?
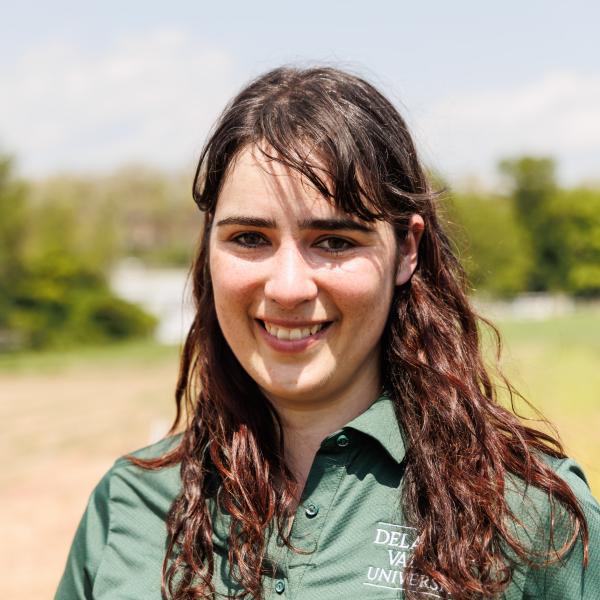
{"x":327,"y":470}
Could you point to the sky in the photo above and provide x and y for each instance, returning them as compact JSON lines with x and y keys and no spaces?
{"x":91,"y":86}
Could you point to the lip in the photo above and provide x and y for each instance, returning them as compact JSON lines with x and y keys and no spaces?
{"x":292,"y":346}
{"x":293,"y":324}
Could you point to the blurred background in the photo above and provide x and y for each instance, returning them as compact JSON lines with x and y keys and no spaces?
{"x":104,"y":108}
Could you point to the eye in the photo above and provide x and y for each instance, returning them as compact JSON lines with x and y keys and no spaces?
{"x":249,"y":239}
{"x":335,"y":245}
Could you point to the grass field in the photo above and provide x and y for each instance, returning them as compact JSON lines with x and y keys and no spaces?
{"x":67,"y":416}
{"x":555,"y":364}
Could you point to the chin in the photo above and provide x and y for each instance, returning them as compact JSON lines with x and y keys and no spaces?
{"x":292,"y":390}
{"x":292,"y":382}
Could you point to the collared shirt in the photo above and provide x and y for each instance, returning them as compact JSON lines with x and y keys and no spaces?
{"x":353,"y":539}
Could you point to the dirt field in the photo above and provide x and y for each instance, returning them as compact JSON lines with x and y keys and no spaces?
{"x":61,"y":433}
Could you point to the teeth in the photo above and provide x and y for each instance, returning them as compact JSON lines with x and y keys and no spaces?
{"x":284,"y":333}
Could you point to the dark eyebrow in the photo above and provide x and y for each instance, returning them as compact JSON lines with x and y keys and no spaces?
{"x":247,"y":222}
{"x":333,"y":224}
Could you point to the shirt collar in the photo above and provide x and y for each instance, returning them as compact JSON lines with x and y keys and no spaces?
{"x":379,"y":422}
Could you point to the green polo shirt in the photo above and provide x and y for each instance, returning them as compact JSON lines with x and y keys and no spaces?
{"x":355,"y":541}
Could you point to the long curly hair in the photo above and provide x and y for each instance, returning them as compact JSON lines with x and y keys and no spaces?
{"x":462,"y":444}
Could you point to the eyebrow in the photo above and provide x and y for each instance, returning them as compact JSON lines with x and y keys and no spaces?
{"x":333,"y":224}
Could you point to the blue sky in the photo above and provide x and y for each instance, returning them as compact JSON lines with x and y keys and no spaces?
{"x":90,"y":86}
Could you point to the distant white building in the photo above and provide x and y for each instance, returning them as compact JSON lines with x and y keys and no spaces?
{"x":164,"y":293}
{"x":529,"y":306}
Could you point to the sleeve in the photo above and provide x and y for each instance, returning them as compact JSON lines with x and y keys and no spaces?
{"x":88,"y":546}
{"x":568,"y":579}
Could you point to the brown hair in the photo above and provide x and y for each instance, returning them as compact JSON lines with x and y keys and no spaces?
{"x":461,"y":443}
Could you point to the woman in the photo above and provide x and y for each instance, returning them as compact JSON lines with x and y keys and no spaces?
{"x":342,"y":436}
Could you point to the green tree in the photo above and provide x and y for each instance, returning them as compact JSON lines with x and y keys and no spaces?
{"x":53,"y":290}
{"x":573,"y":227}
{"x":491,"y":244}
{"x":13,"y":228}
{"x":14,"y":216}
{"x":532,"y":183}
{"x":73,"y":215}
{"x":157,"y":219}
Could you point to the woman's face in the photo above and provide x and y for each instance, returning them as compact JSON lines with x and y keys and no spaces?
{"x":302,"y":291}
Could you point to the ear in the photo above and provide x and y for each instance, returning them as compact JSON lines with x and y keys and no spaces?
{"x":409,"y":249}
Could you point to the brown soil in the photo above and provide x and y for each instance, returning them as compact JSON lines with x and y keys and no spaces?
{"x":60,"y":434}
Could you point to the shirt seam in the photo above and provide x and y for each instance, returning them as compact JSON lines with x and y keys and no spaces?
{"x":539,"y":539}
{"x":110,"y":477}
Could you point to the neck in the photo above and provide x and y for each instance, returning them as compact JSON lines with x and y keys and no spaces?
{"x":306,"y":424}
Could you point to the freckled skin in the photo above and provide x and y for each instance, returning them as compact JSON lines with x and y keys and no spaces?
{"x":288,"y":272}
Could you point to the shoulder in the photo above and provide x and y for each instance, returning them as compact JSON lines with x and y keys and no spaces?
{"x":126,"y":488}
{"x":124,"y":518}
{"x":122,"y":496}
{"x":566,"y":468}
{"x":130,"y":484}
{"x":569,"y":470}
{"x":153,"y":450}
{"x":535,"y":507}
{"x":544,"y":525}
{"x":572,"y":473}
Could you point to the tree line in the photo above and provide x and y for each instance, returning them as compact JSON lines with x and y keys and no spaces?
{"x":534,"y":237}
{"x":60,"y":236}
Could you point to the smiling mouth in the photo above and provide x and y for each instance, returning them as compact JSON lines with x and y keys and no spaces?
{"x":292,"y":334}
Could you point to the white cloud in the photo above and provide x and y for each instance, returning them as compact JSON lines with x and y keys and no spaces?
{"x":153,"y":97}
{"x":557,"y":115}
{"x":148,"y":98}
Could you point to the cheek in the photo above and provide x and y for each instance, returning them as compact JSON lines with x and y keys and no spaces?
{"x":362,"y":292}
{"x":232,"y":291}
{"x":229,"y":277}
{"x":364,"y":280}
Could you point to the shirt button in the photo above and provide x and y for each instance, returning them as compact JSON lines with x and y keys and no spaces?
{"x":280,"y":586}
{"x":342,"y":440}
{"x":312,"y":510}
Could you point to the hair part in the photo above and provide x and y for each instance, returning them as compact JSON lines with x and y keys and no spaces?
{"x":352,"y":145}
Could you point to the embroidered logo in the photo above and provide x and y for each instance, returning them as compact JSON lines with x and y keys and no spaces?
{"x":393,"y":547}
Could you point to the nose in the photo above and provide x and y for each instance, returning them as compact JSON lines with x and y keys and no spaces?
{"x":290,"y":280}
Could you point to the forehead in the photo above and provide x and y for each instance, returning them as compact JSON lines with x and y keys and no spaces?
{"x":256,"y":183}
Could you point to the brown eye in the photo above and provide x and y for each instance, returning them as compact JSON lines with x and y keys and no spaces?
{"x":335,"y":245}
{"x":250,"y":239}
